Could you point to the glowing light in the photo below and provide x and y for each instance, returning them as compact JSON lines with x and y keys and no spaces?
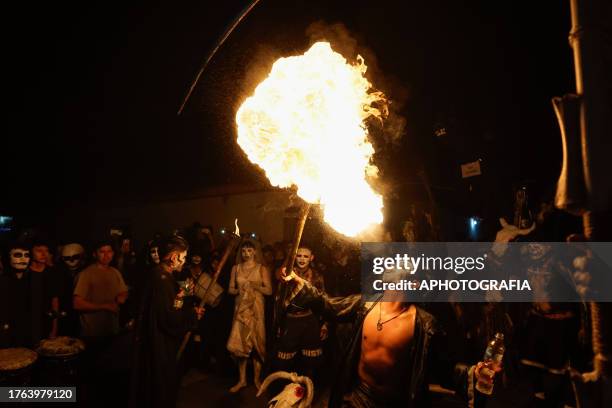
{"x":305,"y":126}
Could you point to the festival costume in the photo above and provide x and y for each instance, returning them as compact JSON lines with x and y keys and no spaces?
{"x":432,"y":355}
{"x":161,"y":328}
{"x":301,"y":334}
{"x":72,"y":264}
{"x":248,"y":327}
{"x":26,"y":303}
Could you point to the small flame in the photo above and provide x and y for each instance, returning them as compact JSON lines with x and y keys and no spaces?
{"x":236,"y":229}
{"x":304,"y":125}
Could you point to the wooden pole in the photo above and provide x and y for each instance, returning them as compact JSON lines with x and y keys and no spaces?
{"x":283,"y":288}
{"x":228,"y":250}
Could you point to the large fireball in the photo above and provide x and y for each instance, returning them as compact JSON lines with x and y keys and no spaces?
{"x":305,"y":126}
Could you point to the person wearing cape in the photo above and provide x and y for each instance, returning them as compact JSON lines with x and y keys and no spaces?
{"x":163,"y":322}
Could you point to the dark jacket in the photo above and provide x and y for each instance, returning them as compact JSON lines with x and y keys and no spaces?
{"x":161,"y":328}
{"x":25,"y":304}
{"x":433,"y":353}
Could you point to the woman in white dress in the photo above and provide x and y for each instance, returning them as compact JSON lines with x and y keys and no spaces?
{"x":250,"y":281}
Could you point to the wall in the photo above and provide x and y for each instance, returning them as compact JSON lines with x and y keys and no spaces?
{"x":260,"y":212}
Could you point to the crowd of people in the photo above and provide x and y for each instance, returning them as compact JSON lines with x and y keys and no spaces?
{"x":133,"y":309}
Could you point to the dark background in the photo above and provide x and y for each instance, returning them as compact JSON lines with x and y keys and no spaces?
{"x":92,"y":91}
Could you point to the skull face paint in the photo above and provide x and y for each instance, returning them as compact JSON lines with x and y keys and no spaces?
{"x":247,"y":253}
{"x":154,"y":253}
{"x":72,"y":256}
{"x":303,"y":258}
{"x":196,"y":260}
{"x":20,"y":258}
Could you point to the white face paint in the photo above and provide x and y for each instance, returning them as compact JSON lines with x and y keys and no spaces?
{"x":72,"y":255}
{"x":20,"y":258}
{"x":303,"y":258}
{"x":154,"y":252}
{"x":247,"y":253}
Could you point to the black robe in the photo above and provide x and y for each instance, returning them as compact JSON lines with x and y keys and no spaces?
{"x":161,"y":328}
{"x":25,"y":304}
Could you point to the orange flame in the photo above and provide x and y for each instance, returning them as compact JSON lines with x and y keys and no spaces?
{"x":304,"y":126}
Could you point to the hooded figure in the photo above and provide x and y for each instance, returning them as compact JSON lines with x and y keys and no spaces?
{"x":14,"y":299}
{"x":73,"y":260}
{"x":162,"y":323}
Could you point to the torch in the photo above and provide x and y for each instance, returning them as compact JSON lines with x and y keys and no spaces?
{"x":231,"y":245}
{"x":305,"y":126}
{"x":282,"y":292}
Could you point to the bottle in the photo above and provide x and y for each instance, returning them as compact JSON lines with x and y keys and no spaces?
{"x":522,"y":215}
{"x":493,"y":359}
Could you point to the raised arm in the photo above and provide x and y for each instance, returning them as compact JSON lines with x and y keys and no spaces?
{"x":331,"y":308}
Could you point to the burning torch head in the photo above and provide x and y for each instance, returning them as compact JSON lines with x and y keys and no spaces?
{"x":308,"y":109}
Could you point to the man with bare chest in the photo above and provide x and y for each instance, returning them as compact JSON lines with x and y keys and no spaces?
{"x":395,"y":351}
{"x":385,"y":348}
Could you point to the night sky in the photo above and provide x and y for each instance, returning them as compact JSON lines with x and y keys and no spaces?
{"x":93,"y":90}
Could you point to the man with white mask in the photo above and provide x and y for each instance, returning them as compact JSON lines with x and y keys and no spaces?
{"x":28,"y":293}
{"x":154,"y":254}
{"x":14,"y":295}
{"x":19,"y":256}
{"x":301,"y":332}
{"x":73,"y":260}
{"x":73,"y":257}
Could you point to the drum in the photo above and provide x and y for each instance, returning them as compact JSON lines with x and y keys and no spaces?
{"x":59,"y":361}
{"x":214,"y":295}
{"x":16,"y":366}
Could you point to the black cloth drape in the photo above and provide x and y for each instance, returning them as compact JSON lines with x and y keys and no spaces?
{"x":160,"y":330}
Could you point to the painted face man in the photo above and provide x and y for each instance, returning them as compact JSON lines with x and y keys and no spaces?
{"x":303,"y":258}
{"x":72,"y":256}
{"x":154,"y":254}
{"x":19,"y":258}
